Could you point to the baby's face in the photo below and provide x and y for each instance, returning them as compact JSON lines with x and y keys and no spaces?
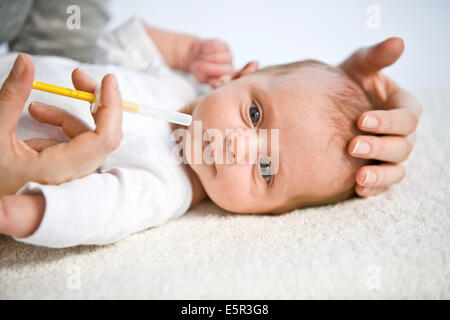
{"x":299,"y":155}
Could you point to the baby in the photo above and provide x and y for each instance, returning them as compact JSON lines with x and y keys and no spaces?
{"x":303,"y":112}
{"x":313,"y":107}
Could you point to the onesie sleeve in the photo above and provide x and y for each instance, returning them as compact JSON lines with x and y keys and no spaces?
{"x":105,"y":207}
{"x":131,"y":47}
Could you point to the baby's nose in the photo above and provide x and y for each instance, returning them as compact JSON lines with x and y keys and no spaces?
{"x":241,"y":147}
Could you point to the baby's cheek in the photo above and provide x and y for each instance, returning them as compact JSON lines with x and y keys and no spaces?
{"x":231,"y":194}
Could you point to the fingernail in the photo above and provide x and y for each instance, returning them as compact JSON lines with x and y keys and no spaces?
{"x":79,"y":70}
{"x":37,"y":103}
{"x":361,"y":148}
{"x":366,"y":189}
{"x":371,"y":177}
{"x":222,"y":80}
{"x":370,"y":122}
{"x":19,"y":66}
{"x":225,"y":78}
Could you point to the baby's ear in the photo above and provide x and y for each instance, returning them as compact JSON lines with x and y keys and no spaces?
{"x":249,"y":68}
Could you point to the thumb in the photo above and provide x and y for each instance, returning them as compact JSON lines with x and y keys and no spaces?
{"x":374,"y":58}
{"x":384,"y":54}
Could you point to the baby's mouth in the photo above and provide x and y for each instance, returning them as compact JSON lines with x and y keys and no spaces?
{"x":212,"y":160}
{"x":212,"y":154}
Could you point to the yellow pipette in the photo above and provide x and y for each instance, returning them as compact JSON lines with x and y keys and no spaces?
{"x":166,"y":115}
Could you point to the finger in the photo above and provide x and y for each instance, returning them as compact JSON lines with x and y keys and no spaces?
{"x":21,"y":215}
{"x":217,"y":57}
{"x":369,"y":191}
{"x":70,"y":158}
{"x":66,"y":161}
{"x":401,"y":121}
{"x":212,"y":46}
{"x":71,"y":125}
{"x":40,"y":144}
{"x":385,"y":148}
{"x":108,"y":118}
{"x":204,"y":70}
{"x":382,"y":175}
{"x":218,"y":82}
{"x":214,"y":82}
{"x":82,"y":81}
{"x":373,"y":59}
{"x":15,"y":92}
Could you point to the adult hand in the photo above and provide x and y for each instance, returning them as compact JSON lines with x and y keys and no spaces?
{"x":62,"y":162}
{"x":392,"y":126}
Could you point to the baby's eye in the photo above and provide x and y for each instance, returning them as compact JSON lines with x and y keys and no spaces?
{"x":266,"y":170}
{"x":254,"y":115}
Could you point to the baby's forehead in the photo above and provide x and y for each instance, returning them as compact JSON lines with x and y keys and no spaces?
{"x":303,"y":70}
{"x":291,"y":99}
{"x":290,"y":88}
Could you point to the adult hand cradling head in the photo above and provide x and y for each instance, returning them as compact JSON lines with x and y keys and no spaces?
{"x":397,"y":118}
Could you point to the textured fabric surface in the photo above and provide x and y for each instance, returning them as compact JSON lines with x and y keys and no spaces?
{"x":395,"y":245}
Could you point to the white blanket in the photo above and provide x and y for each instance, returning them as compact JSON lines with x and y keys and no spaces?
{"x":395,"y":245}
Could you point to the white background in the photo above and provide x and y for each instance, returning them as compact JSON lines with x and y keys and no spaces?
{"x":285,"y":30}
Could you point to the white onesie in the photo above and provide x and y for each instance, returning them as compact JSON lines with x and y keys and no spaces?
{"x":141,"y":184}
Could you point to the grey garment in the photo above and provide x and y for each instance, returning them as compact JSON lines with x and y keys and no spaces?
{"x":51,"y":28}
{"x":12,"y":16}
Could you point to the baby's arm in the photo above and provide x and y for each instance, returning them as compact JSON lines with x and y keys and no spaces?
{"x":207,"y":60}
{"x":98,"y":209}
{"x":175,"y":47}
{"x":21,"y":215}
